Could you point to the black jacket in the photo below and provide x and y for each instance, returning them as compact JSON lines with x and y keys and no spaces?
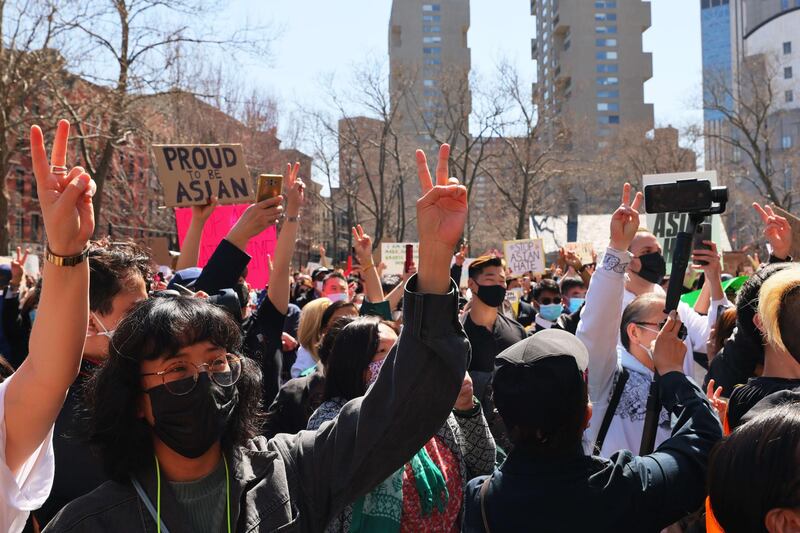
{"x":16,"y":328}
{"x":589,"y":493}
{"x":298,"y":482}
{"x":296,"y":402}
{"x":526,"y":314}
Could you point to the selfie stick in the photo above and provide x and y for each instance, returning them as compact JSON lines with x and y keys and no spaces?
{"x":681,"y":254}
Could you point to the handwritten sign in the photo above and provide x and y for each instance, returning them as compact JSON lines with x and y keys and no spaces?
{"x":666,"y":226}
{"x":393,"y":254}
{"x":584,"y":251}
{"x":221,"y":221}
{"x":191,"y":174}
{"x":525,"y":255}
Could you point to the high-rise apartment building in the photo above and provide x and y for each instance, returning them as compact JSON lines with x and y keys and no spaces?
{"x":591,"y":67}
{"x":428,"y":57}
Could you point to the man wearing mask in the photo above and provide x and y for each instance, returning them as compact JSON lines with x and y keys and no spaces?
{"x":489,"y":331}
{"x":548,"y":303}
{"x":573,"y":294}
{"x":334,"y":287}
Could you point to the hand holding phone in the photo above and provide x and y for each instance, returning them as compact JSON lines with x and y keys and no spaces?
{"x":269,"y":186}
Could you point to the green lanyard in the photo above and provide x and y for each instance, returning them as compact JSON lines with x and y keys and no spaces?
{"x":227,"y":494}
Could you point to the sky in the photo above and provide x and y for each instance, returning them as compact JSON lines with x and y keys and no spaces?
{"x":315,"y":39}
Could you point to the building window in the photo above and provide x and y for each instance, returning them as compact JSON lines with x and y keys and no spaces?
{"x":608,"y":119}
{"x":435,"y":51}
{"x":603,"y":132}
{"x":35,"y":225}
{"x":429,"y":83}
{"x":787,"y":73}
{"x":605,"y":29}
{"x":19,"y":223}
{"x":427,"y":28}
{"x":786,"y":142}
{"x":431,"y":7}
{"x":431,"y":18}
{"x":567,"y":43}
{"x":607,"y":80}
{"x":605,"y":4}
{"x":602,"y":56}
{"x":606,"y":42}
{"x":608,"y":94}
{"x":432,"y":40}
{"x":605,"y":16}
{"x":787,"y":47}
{"x":20,"y":180}
{"x":607,"y":106}
{"x":433,"y":61}
{"x":784,"y":4}
{"x":607,"y":68}
{"x":789,"y":96}
{"x":431,"y":92}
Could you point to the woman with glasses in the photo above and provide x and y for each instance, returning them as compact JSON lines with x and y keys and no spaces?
{"x":175,"y":416}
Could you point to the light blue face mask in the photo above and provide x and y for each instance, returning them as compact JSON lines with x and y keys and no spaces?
{"x":551,"y":312}
{"x":575,"y":304}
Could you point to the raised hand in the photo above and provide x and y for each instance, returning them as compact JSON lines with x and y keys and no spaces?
{"x":18,"y":267}
{"x":201,"y":213}
{"x":65,"y":196}
{"x":363,"y":245}
{"x":254,"y":220}
{"x":294,"y":190}
{"x":465,"y":401}
{"x":441,"y":215}
{"x":625,"y":220}
{"x":669,"y":350}
{"x":461,"y":256}
{"x":776,"y":229}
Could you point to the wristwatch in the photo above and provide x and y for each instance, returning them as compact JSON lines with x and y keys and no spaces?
{"x":68,"y":261}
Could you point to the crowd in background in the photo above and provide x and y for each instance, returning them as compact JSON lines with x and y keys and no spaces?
{"x":137,"y":397}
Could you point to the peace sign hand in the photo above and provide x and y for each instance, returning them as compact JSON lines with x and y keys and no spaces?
{"x":442,"y":210}
{"x":295,"y":190}
{"x":625,"y":220}
{"x":461,"y":256}
{"x":18,"y":266}
{"x":65,"y":197}
{"x":363,"y":245}
{"x":776,"y":229}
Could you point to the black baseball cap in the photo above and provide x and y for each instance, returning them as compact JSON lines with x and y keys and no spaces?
{"x":320,"y":273}
{"x":550,"y":365}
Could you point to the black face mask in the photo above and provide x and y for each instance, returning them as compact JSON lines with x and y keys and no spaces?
{"x":491,"y":295}
{"x":190,"y":424}
{"x":654,"y":268}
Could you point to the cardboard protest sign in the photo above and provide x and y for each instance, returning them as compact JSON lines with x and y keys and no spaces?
{"x":666,"y":226}
{"x":191,"y":174}
{"x":393,"y":255}
{"x":221,"y":221}
{"x":526,"y":255}
{"x":584,"y":251}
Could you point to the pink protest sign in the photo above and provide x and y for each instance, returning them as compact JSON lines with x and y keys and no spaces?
{"x":223,"y":219}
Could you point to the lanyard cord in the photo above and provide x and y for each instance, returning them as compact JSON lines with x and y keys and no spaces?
{"x":227,"y":494}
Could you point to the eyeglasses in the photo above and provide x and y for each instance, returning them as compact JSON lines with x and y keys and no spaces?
{"x":682,"y":332}
{"x":547,"y":300}
{"x":180,"y":377}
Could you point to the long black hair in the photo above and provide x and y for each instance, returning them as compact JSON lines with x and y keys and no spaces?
{"x":154,"y":328}
{"x":353,"y":349}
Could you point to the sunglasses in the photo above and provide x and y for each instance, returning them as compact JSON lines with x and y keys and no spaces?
{"x":547,"y":300}
{"x":682,"y":332}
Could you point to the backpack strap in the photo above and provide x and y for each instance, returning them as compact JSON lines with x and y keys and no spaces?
{"x":148,"y":504}
{"x":484,"y":516}
{"x":622,"y":378}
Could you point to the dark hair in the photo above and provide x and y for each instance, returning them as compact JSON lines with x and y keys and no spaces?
{"x":546,"y":411}
{"x":546,"y":285}
{"x":329,"y":312}
{"x":328,"y":339}
{"x":636,"y":311}
{"x":333,"y":275}
{"x":154,"y":328}
{"x":756,"y":469}
{"x":726,"y":322}
{"x":571,"y":283}
{"x":477,"y":267}
{"x":747,"y":303}
{"x":112,"y":267}
{"x":5,"y":369}
{"x":353,"y":350}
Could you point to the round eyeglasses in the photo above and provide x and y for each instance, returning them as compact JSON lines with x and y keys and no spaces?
{"x":180,"y":377}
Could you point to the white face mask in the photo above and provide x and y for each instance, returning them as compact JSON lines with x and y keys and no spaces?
{"x":318,"y":285}
{"x":337,"y":297}
{"x":647,"y":350}
{"x":104,"y":333}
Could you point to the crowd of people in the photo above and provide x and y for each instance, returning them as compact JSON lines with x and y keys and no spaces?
{"x":135,"y":397}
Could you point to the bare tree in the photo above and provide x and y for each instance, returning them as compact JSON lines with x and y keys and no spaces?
{"x":139,"y":41}
{"x":752,"y":122}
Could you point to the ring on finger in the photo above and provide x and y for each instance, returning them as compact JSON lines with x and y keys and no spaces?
{"x":58,"y":169}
